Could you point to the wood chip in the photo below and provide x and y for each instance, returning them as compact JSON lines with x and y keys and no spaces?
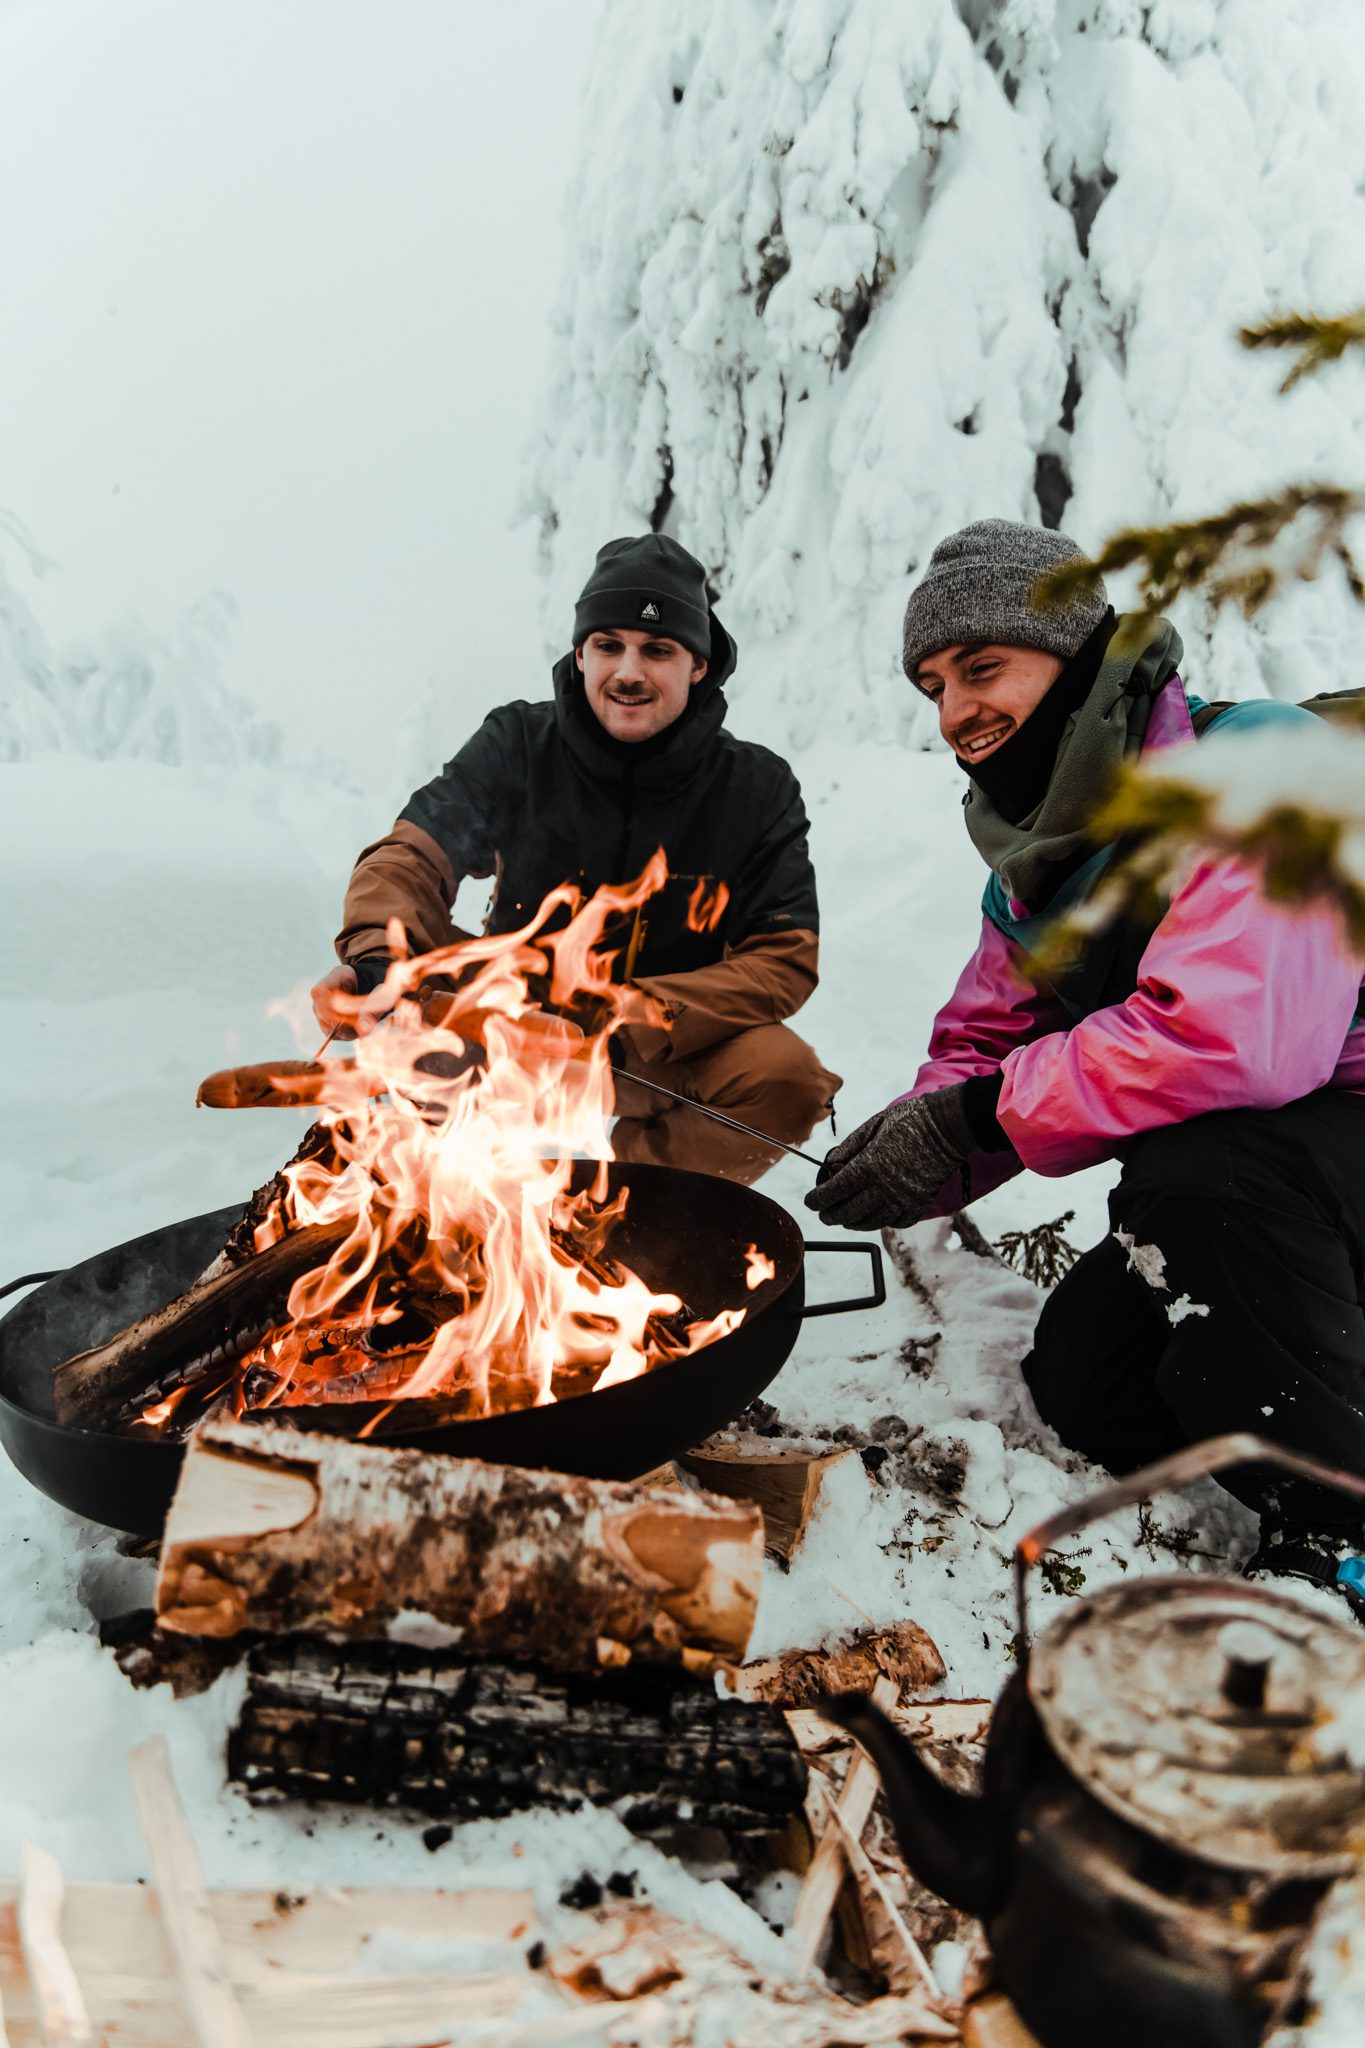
{"x":61,"y":2003}
{"x":903,"y":1652}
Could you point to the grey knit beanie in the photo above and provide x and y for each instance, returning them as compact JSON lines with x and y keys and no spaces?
{"x":979,"y":586}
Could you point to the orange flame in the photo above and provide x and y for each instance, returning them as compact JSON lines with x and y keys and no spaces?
{"x":473,"y":1270}
{"x":758,"y":1267}
{"x":706,"y":905}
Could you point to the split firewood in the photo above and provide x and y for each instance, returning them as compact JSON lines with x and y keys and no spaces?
{"x":278,"y":1530}
{"x":882,"y":1897}
{"x":825,"y":1876}
{"x":785,"y":1483}
{"x":903,"y":1653}
{"x":378,"y":1725}
{"x":207,"y":1328}
{"x":934,"y":1723}
{"x":905,"y":1965}
{"x":263,"y":1211}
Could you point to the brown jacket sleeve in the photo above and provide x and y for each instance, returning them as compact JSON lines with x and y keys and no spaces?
{"x":762,"y":980}
{"x":406,"y":876}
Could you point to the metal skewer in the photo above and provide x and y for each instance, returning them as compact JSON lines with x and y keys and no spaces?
{"x":716,"y":1116}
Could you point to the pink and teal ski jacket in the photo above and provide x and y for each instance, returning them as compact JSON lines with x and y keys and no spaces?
{"x":1240,"y":1003}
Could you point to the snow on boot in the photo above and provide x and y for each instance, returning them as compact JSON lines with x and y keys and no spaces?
{"x":1334,"y":1558}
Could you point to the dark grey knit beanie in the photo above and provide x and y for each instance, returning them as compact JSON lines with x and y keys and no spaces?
{"x":647,"y":581}
{"x":979,"y":586}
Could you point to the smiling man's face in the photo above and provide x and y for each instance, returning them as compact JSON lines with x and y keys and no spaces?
{"x":985,"y":692}
{"x":637,"y":683}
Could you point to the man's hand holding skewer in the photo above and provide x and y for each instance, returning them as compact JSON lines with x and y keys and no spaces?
{"x":340,"y":1008}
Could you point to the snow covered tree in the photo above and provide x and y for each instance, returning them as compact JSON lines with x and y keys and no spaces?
{"x":880,"y":270}
{"x":129,"y":693}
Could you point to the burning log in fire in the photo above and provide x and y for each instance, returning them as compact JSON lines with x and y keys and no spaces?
{"x":433,"y":1244}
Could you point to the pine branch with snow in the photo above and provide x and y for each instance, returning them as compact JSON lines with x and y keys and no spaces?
{"x":1290,"y":804}
{"x":1240,"y":556}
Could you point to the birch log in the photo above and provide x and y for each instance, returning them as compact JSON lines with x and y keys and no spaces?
{"x":275,"y":1530}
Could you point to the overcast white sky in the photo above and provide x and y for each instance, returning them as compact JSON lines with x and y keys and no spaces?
{"x":275,"y":278}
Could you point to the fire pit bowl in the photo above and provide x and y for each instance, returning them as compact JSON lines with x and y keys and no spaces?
{"x":682,"y":1232}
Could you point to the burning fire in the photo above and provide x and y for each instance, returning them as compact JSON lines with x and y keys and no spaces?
{"x":474,"y":1271}
{"x":706,"y":905}
{"x":758,"y":1267}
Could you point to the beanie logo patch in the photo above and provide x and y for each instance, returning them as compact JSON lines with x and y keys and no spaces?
{"x":651,"y":610}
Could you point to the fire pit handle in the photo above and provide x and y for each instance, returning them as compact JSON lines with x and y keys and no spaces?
{"x":873,"y":1300}
{"x":29,"y":1280}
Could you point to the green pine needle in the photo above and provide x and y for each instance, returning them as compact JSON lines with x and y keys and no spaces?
{"x":1319,"y":339}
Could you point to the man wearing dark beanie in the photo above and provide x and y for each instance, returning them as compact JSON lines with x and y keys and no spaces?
{"x":1215,"y":1047}
{"x":630,"y":754}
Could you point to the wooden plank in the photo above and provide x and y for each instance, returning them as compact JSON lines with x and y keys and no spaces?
{"x":200,"y":1958}
{"x":288,"y":1954}
{"x":61,"y":2007}
{"x":117,"y":1928}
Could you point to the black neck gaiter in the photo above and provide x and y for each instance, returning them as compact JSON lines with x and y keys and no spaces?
{"x":1016,"y":776}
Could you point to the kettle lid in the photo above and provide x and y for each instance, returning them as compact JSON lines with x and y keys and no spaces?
{"x":1225,"y":1720}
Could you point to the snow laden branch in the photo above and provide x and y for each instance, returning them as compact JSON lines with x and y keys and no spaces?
{"x":1290,"y":804}
{"x":1245,"y":554}
{"x":1241,"y":556}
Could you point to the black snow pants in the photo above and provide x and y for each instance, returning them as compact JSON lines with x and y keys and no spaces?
{"x":1229,"y":1295}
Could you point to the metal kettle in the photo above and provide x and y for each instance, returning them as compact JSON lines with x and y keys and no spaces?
{"x":1167,"y":1793}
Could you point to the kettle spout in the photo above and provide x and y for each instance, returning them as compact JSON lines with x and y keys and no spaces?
{"x":945,"y":1836}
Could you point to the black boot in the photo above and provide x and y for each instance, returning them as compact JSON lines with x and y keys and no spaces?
{"x":1334,"y":1558}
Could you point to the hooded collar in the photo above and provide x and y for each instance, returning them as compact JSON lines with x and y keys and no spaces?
{"x":671,"y":756}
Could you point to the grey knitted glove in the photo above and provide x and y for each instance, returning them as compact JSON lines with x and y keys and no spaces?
{"x":889,"y":1170}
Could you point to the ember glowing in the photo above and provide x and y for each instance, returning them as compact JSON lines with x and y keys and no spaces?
{"x":474,"y":1272}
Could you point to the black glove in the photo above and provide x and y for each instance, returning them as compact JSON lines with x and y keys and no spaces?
{"x":889,"y":1171}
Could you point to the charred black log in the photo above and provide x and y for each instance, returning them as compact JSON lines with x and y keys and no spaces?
{"x":317,"y":1144}
{"x":384,"y":1725}
{"x":216,"y":1322}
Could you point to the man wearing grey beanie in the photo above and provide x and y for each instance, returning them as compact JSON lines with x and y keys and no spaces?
{"x":1215,"y":1047}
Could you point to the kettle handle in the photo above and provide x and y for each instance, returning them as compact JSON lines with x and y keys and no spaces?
{"x":1194,"y":1462}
